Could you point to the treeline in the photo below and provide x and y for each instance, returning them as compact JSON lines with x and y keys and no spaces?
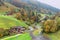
{"x":24,"y":15}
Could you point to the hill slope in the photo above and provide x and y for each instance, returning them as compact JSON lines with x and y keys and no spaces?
{"x":6,"y":7}
{"x":33,"y":5}
{"x":7,"y":22}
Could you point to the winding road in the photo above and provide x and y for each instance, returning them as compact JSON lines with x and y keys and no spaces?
{"x":39,"y":37}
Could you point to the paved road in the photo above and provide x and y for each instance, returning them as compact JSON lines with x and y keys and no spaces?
{"x":40,"y":37}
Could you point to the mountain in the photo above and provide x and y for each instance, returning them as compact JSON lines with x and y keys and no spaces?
{"x":27,"y":10}
{"x":34,"y":6}
{"x":6,"y":7}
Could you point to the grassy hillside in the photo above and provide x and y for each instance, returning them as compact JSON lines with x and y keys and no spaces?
{"x":55,"y":36}
{"x":6,"y":22}
{"x":25,"y":36}
{"x":33,"y":5}
{"x":7,"y":7}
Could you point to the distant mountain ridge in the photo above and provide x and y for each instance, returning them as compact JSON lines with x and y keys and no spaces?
{"x":33,"y":4}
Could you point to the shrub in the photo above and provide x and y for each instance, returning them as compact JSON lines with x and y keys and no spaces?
{"x":50,"y":26}
{"x":58,"y":21}
{"x":6,"y":32}
{"x":1,"y":32}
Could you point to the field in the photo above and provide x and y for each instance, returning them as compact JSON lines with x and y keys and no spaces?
{"x":35,"y":20}
{"x":55,"y":36}
{"x":18,"y":37}
{"x":7,"y":22}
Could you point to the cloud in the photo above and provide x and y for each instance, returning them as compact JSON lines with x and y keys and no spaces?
{"x":55,"y":3}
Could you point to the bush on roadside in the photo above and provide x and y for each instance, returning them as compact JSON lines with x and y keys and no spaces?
{"x":58,"y":21}
{"x":50,"y":26}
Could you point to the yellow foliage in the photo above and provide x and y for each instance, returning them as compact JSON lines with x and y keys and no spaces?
{"x":1,"y":35}
{"x":47,"y":28}
{"x":37,"y":31}
{"x":50,"y":26}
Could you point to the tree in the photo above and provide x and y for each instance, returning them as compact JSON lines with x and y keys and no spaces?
{"x":18,"y":16}
{"x":50,"y":26}
{"x":1,"y":32}
{"x":58,"y":21}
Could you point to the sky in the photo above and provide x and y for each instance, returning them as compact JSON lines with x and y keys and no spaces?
{"x":54,"y":3}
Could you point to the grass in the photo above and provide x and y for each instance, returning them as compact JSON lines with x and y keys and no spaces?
{"x":55,"y":36}
{"x":3,"y":10}
{"x":7,"y":22}
{"x":25,"y":36}
{"x":6,"y":8}
{"x":2,"y":13}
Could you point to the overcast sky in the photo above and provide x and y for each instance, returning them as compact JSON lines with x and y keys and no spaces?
{"x":54,"y":3}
